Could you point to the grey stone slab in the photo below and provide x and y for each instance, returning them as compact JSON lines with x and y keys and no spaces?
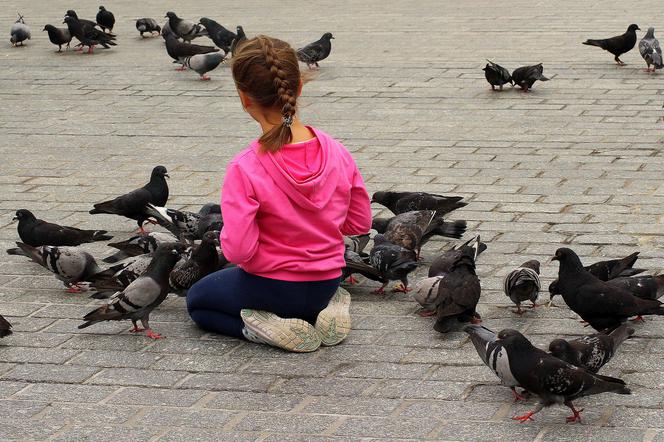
{"x":20,"y":429}
{"x":64,"y":393}
{"x":156,"y":397}
{"x":236,"y":400}
{"x":285,"y":423}
{"x":136,"y":377}
{"x":86,"y":413}
{"x":49,"y":373}
{"x":398,"y":427}
{"x":229,"y":381}
{"x":104,"y":433}
{"x":186,"y":418}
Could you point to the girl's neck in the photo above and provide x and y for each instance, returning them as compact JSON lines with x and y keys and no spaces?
{"x":298,"y":129}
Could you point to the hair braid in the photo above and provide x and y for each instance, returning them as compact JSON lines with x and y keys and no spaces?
{"x":285,"y":93}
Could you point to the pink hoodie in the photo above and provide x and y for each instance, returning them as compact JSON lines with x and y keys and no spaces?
{"x":285,"y":213}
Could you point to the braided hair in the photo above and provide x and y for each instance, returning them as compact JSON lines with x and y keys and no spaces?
{"x":267,"y":70}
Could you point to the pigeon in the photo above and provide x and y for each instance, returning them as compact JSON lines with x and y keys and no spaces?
{"x":651,"y":51}
{"x":221,"y":36}
{"x":140,"y":297}
{"x":132,"y":205}
{"x":89,"y":36}
{"x":5,"y":327}
{"x":179,"y":51}
{"x":494,"y":356}
{"x":554,"y":381}
{"x":314,"y":52}
{"x":203,"y":63}
{"x":357,"y":261}
{"x":590,"y":352}
{"x":84,"y":22}
{"x":138,"y":245}
{"x":58,"y":36}
{"x":185,"y":29}
{"x":211,"y":221}
{"x":424,"y":292}
{"x":181,"y":223}
{"x":19,"y":32}
{"x":209,"y":208}
{"x":240,"y":37}
{"x":36,"y":232}
{"x":617,"y":45}
{"x":356,"y":243}
{"x":203,"y":261}
{"x":119,"y":276}
{"x":400,"y":202}
{"x":70,"y":265}
{"x":453,"y":293}
{"x":146,"y":24}
{"x":644,"y":287}
{"x":413,"y":229}
{"x":523,"y":284}
{"x":525,"y":76}
{"x":497,"y":75}
{"x":393,"y":262}
{"x":601,"y":305}
{"x":166,"y":31}
{"x":105,"y":19}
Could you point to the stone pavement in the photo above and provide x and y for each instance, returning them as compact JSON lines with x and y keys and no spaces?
{"x":577,"y":161}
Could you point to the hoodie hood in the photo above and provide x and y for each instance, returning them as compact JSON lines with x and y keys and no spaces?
{"x":301,"y":170}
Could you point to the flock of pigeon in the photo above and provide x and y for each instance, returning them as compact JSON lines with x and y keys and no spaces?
{"x":526,"y":76}
{"x":149,"y":265}
{"x":177,"y":33}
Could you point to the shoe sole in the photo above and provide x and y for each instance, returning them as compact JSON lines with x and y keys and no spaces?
{"x":293,"y":335}
{"x":333,"y":322}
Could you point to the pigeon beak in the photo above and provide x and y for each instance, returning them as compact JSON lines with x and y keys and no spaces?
{"x":15,"y":218}
{"x":167,"y":175}
{"x":555,"y":258}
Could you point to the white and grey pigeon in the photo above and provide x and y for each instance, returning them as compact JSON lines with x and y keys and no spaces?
{"x":140,"y":297}
{"x":147,"y":24}
{"x":139,"y":244}
{"x":203,"y":63}
{"x":181,"y":223}
{"x":651,"y":51}
{"x":119,"y":276}
{"x":523,"y":284}
{"x":71,"y":265}
{"x":187,"y":30}
{"x":19,"y":32}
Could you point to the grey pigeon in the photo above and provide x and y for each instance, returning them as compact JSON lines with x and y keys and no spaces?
{"x":203,"y":63}
{"x":525,"y":76}
{"x":401,"y":202}
{"x":5,"y":327}
{"x":357,"y":261}
{"x":140,"y":297}
{"x":70,"y":265}
{"x":523,"y":284}
{"x":36,"y":232}
{"x":132,"y":205}
{"x":185,"y":29}
{"x":593,"y":351}
{"x":651,"y":51}
{"x":19,"y":32}
{"x":203,"y":261}
{"x":119,"y":276}
{"x":553,"y":380}
{"x":147,"y":24}
{"x":240,"y":37}
{"x":88,"y":35}
{"x":222,"y":37}
{"x":497,"y":75}
{"x":139,"y":244}
{"x":181,"y":223}
{"x":617,"y":45}
{"x":58,"y":36}
{"x":105,"y":19}
{"x":393,"y":262}
{"x":179,"y":51}
{"x":314,"y":52}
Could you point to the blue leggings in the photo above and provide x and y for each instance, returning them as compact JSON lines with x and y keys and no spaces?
{"x":214,"y":302}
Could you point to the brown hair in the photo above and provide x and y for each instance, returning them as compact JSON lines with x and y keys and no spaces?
{"x":267,"y":70}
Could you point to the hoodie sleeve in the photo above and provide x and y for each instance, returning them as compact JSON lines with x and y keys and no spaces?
{"x":358,"y":218}
{"x":239,"y":236}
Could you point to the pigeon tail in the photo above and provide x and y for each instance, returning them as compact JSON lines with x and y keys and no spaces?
{"x":597,"y":43}
{"x":101,"y":235}
{"x":16,"y":251}
{"x":609,"y":384}
{"x":455,"y":229}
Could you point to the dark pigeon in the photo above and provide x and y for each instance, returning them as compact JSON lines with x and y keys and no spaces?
{"x":617,"y":45}
{"x":203,"y":261}
{"x":401,"y":202}
{"x":181,"y":223}
{"x":525,"y":76}
{"x":644,"y":287}
{"x":393,"y":262}
{"x":590,"y":352}
{"x":601,"y":305}
{"x":523,"y":284}
{"x":209,"y":208}
{"x":185,"y":29}
{"x":222,"y":37}
{"x":105,"y":19}
{"x":132,"y":205}
{"x":317,"y":51}
{"x":240,"y":37}
{"x":36,"y":232}
{"x":19,"y":32}
{"x":613,"y":268}
{"x":147,"y":24}
{"x":554,"y":381}
{"x":119,"y":276}
{"x":70,"y":265}
{"x":497,"y":75}
{"x":178,"y":51}
{"x":84,"y":22}
{"x":88,"y":36}
{"x":442,"y":264}
{"x":203,"y":63}
{"x":357,"y":261}
{"x":5,"y":327}
{"x":138,"y":245}
{"x":651,"y":51}
{"x":141,"y":296}
{"x":58,"y":36}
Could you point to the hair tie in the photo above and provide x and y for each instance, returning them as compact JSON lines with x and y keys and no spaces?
{"x":288,"y":120}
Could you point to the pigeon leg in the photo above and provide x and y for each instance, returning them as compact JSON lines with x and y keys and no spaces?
{"x":518,"y":397}
{"x":148,"y":331}
{"x":380,"y":290}
{"x":528,"y":416}
{"x":535,"y":305}
{"x":577,"y":413}
{"x":475,"y":320}
{"x":619,"y":61}
{"x":136,"y":328}
{"x":639,"y":318}
{"x":74,"y":288}
{"x":403,"y":288}
{"x":426,"y":313}
{"x":518,"y":310}
{"x":352,"y":280}
{"x":80,"y":48}
{"x":493,"y":88}
{"x":91,"y":49}
{"x":181,"y":68}
{"x":204,"y":77}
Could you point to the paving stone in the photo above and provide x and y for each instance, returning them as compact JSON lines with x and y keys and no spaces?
{"x":49,"y":373}
{"x":106,"y":433}
{"x":64,"y":392}
{"x":156,"y":397}
{"x":204,"y":434}
{"x":235,"y":400}
{"x":285,"y":423}
{"x":21,"y":429}
{"x":356,"y":427}
{"x":137,"y":377}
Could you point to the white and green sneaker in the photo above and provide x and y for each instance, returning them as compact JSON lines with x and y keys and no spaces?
{"x":289,"y":334}
{"x":333,"y":322}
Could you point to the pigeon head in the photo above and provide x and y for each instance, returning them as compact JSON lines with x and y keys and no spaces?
{"x":380,"y":224}
{"x":211,"y":236}
{"x":69,"y":19}
{"x":633,"y":28}
{"x":380,"y":239}
{"x":560,"y":348}
{"x":23,"y":215}
{"x":328,"y":36}
{"x":101,"y":8}
{"x":384,"y":197}
{"x":170,"y":15}
{"x":165,"y":257}
{"x":568,"y":259}
{"x":533,"y":264}
{"x":160,"y":171}
{"x":513,"y":338}
{"x":71,"y":13}
{"x":553,"y":289}
{"x":650,"y":33}
{"x":48,"y":27}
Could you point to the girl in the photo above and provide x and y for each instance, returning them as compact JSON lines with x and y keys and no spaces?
{"x":287,"y":201}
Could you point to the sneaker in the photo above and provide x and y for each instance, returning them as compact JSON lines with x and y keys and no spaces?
{"x":289,"y":334}
{"x":333,"y":322}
